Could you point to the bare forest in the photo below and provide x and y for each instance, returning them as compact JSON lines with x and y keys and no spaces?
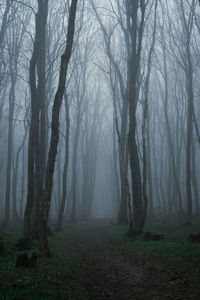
{"x":99,"y":149}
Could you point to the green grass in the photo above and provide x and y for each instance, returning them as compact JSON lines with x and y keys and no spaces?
{"x":57,"y":277}
{"x":174,"y":252}
{"x":60,"y":276}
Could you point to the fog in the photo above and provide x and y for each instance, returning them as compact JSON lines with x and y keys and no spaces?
{"x":129,"y":139}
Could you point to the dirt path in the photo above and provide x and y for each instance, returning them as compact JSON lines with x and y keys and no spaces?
{"x":109,"y":273}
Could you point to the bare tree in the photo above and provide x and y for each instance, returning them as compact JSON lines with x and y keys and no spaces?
{"x":46,"y":195}
{"x":15,"y":39}
{"x":36,"y":148}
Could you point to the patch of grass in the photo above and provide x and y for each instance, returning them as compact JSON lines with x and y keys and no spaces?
{"x":174,"y":251}
{"x":57,"y":277}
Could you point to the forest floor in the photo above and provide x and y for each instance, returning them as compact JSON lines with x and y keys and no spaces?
{"x":93,"y":260}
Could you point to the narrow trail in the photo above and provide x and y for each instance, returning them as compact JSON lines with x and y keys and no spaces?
{"x":110,"y":273}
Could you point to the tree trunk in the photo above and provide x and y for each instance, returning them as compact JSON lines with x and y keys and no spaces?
{"x":36,"y":148}
{"x":40,"y":125}
{"x":46,"y":195}
{"x":122,"y":143}
{"x":9,"y":151}
{"x":15,"y":178}
{"x":194,"y":180}
{"x":189,"y":85}
{"x":133,"y":10}
{"x":74,"y":177}
{"x":64,"y":177}
{"x":22,"y":185}
{"x":149,"y":171}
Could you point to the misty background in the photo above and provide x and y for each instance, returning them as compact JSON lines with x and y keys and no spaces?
{"x":94,"y":118}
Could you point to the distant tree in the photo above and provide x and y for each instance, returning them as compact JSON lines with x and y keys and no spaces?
{"x":186,"y":62}
{"x":165,"y":76}
{"x":3,"y":63}
{"x":92,"y":126}
{"x":188,"y":25}
{"x":14,"y":42}
{"x":80,"y":98}
{"x":117,"y":84}
{"x":4,"y":21}
{"x":130,"y":17}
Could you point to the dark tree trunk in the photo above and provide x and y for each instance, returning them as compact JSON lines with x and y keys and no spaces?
{"x":22,"y":185}
{"x":40,"y":125}
{"x":134,"y":9}
{"x":123,"y":213}
{"x":36,"y":147}
{"x":31,"y":184}
{"x":46,"y":195}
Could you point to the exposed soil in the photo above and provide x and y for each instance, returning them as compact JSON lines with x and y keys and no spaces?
{"x":110,"y":272}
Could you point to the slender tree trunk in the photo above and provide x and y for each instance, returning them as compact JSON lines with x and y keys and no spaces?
{"x":115,"y":169}
{"x":74,"y":177}
{"x":15,"y":179}
{"x":64,"y":177}
{"x":149,"y":171}
{"x":189,"y":84}
{"x":144,"y":122}
{"x":9,"y":151}
{"x":194,"y":180}
{"x":123,"y":216}
{"x":46,"y":195}
{"x":22,"y":184}
{"x":31,"y":184}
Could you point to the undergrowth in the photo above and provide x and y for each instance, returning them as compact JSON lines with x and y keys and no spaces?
{"x":57,"y":277}
{"x":174,"y":252}
{"x":61,"y":276}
